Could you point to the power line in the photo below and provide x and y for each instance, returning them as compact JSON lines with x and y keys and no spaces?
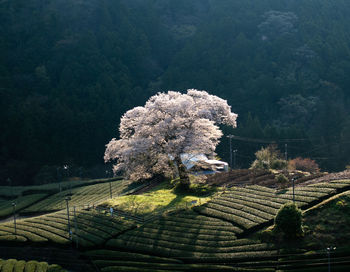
{"x":264,"y":141}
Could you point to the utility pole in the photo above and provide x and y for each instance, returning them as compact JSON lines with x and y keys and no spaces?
{"x":329,"y":249}
{"x":10,"y":182}
{"x":293,"y":179}
{"x":286,"y":151}
{"x":59,"y":179}
{"x":110,"y":190}
{"x":230,"y":136}
{"x":14,"y":216}
{"x":76,"y":228}
{"x":69,"y":231}
{"x":234,"y":158}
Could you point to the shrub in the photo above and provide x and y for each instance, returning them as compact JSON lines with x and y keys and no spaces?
{"x":278,"y":164}
{"x":281,"y":178}
{"x":303,"y":164}
{"x":268,"y":158}
{"x":289,"y":221}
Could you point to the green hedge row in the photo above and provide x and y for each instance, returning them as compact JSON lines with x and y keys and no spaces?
{"x":237,"y":212}
{"x":252,"y":203}
{"x":188,"y":245}
{"x":187,"y":229}
{"x":28,"y":266}
{"x":252,"y":198}
{"x":104,"y":254}
{"x":236,"y":205}
{"x":143,"y":266}
{"x":92,"y":228}
{"x":21,"y":231}
{"x":220,"y":236}
{"x":6,"y":207}
{"x":86,"y":195}
{"x":226,"y":214}
{"x":169,"y":224}
{"x":184,"y":240}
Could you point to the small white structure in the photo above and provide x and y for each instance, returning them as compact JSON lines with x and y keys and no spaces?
{"x":200,"y":163}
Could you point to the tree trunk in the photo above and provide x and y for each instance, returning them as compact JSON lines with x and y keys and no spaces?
{"x":183,"y":173}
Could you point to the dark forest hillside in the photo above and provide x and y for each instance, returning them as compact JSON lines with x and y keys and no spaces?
{"x":70,"y":69}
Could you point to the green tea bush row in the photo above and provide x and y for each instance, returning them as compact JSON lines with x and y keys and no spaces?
{"x":91,"y":194}
{"x":12,"y":238}
{"x":324,"y":190}
{"x":307,"y":195}
{"x":244,"y":208}
{"x":258,"y":195}
{"x":54,"y":227}
{"x":189,"y":247}
{"x":186,"y":229}
{"x":185,"y":240}
{"x":147,"y":248}
{"x":104,"y":254}
{"x":241,"y":215}
{"x":251,"y":203}
{"x":262,"y":189}
{"x":44,"y":232}
{"x":184,"y":234}
{"x":191,"y":255}
{"x":23,"y":232}
{"x":230,"y":257}
{"x":28,"y":266}
{"x":6,"y":207}
{"x":203,"y":246}
{"x":198,"y":220}
{"x":242,"y":222}
{"x":252,"y":199}
{"x":144,"y":266}
{"x":169,"y":223}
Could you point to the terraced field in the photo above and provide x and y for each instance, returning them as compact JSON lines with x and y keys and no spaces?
{"x":88,"y":229}
{"x":6,"y":206}
{"x":250,"y":206}
{"x":217,"y":236}
{"x":16,"y":191}
{"x":189,"y":236}
{"x":82,"y":196}
{"x":28,"y":266}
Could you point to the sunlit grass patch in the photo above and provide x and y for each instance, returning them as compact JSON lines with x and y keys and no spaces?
{"x":160,"y":199}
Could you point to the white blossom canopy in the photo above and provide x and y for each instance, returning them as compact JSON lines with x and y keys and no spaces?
{"x":168,"y":125}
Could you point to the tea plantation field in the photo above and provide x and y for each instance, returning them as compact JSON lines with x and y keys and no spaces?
{"x":223,"y":233}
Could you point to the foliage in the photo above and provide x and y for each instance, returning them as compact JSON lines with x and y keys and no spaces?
{"x":281,"y":178}
{"x":289,"y":221}
{"x":303,"y":164}
{"x":170,"y":124}
{"x":268,"y":158}
{"x":67,"y":68}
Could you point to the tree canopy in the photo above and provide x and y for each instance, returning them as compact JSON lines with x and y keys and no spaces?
{"x":153,"y":137}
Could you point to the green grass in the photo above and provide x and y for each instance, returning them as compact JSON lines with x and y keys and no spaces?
{"x":158,"y":200}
